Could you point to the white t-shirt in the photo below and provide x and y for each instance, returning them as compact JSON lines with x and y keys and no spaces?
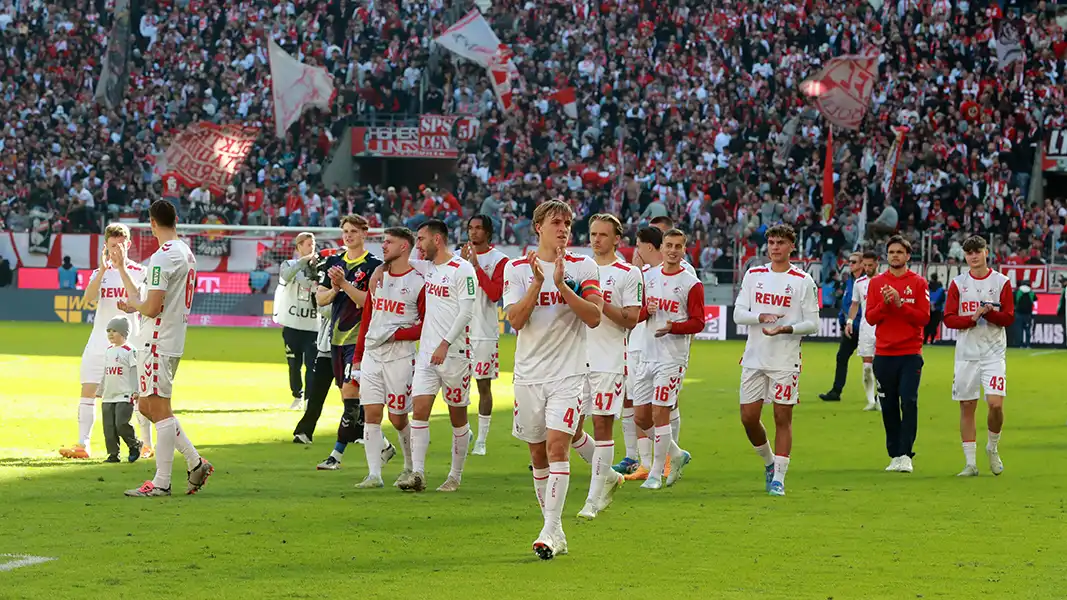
{"x":111,"y":291}
{"x":447,"y":285}
{"x":120,"y":374}
{"x":171,"y":269}
{"x":679,"y":297}
{"x":397,"y":302}
{"x":486,"y":322}
{"x":984,"y":340}
{"x":621,"y":286}
{"x":793,"y":295}
{"x":552,"y":345}
{"x":859,"y":296}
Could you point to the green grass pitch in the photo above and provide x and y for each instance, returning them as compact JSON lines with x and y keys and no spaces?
{"x":269,"y":526}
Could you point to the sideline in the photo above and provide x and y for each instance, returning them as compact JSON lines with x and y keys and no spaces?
{"x":22,"y":560}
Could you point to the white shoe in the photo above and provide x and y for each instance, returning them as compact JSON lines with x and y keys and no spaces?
{"x":871,"y":406}
{"x":894,"y":465}
{"x":402,"y":476}
{"x":548,"y":546}
{"x":905,"y":464}
{"x":589,"y":511}
{"x":968,"y":471}
{"x":450,"y":485}
{"x":479,"y":448}
{"x":388,"y":453}
{"x":300,"y":438}
{"x":370,"y":482}
{"x":609,"y":492}
{"x":298,"y":403}
{"x":996,"y":466}
{"x":878,"y":405}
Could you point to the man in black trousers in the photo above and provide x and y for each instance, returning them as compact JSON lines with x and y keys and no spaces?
{"x":848,"y":342}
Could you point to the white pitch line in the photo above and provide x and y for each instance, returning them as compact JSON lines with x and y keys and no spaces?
{"x":22,"y":560}
{"x":1044,"y":352}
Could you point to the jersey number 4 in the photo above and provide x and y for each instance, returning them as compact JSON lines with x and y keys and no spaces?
{"x":603,"y":401}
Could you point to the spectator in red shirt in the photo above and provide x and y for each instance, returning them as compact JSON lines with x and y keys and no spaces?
{"x":898,"y":304}
{"x":294,"y":208}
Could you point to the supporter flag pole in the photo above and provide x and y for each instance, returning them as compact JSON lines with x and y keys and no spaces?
{"x":828,"y":177}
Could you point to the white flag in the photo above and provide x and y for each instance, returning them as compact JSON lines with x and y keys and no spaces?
{"x":295,"y":87}
{"x":1009,"y":49}
{"x":472,"y":38}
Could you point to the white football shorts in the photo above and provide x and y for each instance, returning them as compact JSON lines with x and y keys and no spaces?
{"x":92,"y":367}
{"x":971,"y":376}
{"x":865,"y":345}
{"x":156,"y":373}
{"x":485,"y":359}
{"x":554,"y":405}
{"x":638,"y":388}
{"x":387,"y":383}
{"x":603,"y":394}
{"x":779,"y":387}
{"x":452,"y":378}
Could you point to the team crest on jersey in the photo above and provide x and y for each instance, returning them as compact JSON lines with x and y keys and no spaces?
{"x":759,"y":285}
{"x":907,"y":290}
{"x":610,"y":281}
{"x":677,"y":290}
{"x":788,"y":289}
{"x":360,"y":275}
{"x":404,"y":291}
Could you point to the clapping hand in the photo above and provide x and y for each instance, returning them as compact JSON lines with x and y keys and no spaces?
{"x":337,"y":277}
{"x":535,"y":266}
{"x":769,"y":318}
{"x":891,"y":296}
{"x":467,"y":252}
{"x":773,"y":331}
{"x":560,"y":271}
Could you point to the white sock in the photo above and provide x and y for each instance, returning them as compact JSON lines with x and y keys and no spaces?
{"x":868,"y":381}
{"x":644,"y":451}
{"x":540,"y":478}
{"x":661,"y":446}
{"x":603,"y":456}
{"x":86,"y":417}
{"x":629,"y":432}
{"x":420,"y":443}
{"x":970,"y":450}
{"x":404,"y":438}
{"x":765,"y":453}
{"x":676,"y":423}
{"x":994,"y":439}
{"x":165,"y":440}
{"x":145,"y":427}
{"x":336,"y":455}
{"x":373,"y":444}
{"x":483,"y":427}
{"x":781,"y":465}
{"x":461,"y":441}
{"x":559,"y":478}
{"x":183,"y":445}
{"x":584,"y":447}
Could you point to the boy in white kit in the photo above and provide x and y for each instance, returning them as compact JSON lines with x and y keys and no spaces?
{"x":980,"y":305}
{"x":865,"y":344}
{"x":551,"y":298}
{"x":118,"y":392}
{"x":779,"y":304}
{"x":444,"y":361}
{"x":383,"y":359}
{"x":107,"y":289}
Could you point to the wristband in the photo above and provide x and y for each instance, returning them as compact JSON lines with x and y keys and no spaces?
{"x":848,"y":321}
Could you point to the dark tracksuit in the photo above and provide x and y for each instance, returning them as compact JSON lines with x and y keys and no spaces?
{"x":848,"y":342}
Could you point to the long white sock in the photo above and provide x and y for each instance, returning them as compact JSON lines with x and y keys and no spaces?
{"x":676,"y":423}
{"x":145,"y":428}
{"x":373,"y":444}
{"x":183,"y":445}
{"x":461,"y":440}
{"x":584,"y":447}
{"x":661,"y":447}
{"x":603,"y":456}
{"x":540,"y":479}
{"x":86,"y":417}
{"x":483,"y":427}
{"x":420,"y":443}
{"x":559,"y":478}
{"x":404,"y":437}
{"x":165,"y":441}
{"x":970,"y":451}
{"x":994,"y":440}
{"x":629,"y":432}
{"x":781,"y":465}
{"x":868,"y":381}
{"x":765,"y":453}
{"x":644,"y":451}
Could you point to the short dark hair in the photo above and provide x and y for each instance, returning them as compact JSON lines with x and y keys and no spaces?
{"x":487,"y":223}
{"x":401,"y":232}
{"x":163,"y":213}
{"x":975,"y":243}
{"x":676,"y":233}
{"x":782,"y":231}
{"x":664,"y":220}
{"x":897,"y":239}
{"x":435,"y":226}
{"x":650,"y":235}
{"x":871,"y":254}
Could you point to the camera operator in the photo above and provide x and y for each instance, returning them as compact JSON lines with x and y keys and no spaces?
{"x":295,"y":310}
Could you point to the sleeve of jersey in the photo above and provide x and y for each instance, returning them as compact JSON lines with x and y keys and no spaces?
{"x":590,"y":285}
{"x":632,"y":294}
{"x":743,"y":314}
{"x":465,"y":300}
{"x":492,"y":285}
{"x":1006,"y":315}
{"x":809,"y":307}
{"x":918,"y":313}
{"x":514,"y":287}
{"x":364,"y":324}
{"x":952,"y":319}
{"x":695,"y":307}
{"x":876,"y":311}
{"x":158,"y":273}
{"x":413,"y":332}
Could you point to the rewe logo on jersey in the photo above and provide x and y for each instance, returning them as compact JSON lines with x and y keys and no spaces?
{"x":664,"y":304}
{"x":550,"y":298}
{"x":774,"y":299}
{"x":607,"y":296}
{"x":392,"y":306}
{"x":112,"y":370}
{"x":112,"y":292}
{"x":433,"y":289}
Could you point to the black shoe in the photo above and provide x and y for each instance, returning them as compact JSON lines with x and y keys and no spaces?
{"x":830,"y":396}
{"x":112,"y":459}
{"x":135,"y":453}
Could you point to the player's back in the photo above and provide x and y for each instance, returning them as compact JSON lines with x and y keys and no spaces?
{"x":485,"y":323}
{"x":984,"y":340}
{"x":859,"y":296}
{"x":788,"y":294}
{"x":635,"y":342}
{"x":172,"y":269}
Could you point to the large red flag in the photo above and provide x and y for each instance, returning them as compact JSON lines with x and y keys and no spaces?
{"x":828,"y":178}
{"x":842,"y":89}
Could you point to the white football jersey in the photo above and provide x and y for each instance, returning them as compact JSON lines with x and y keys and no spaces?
{"x":172,"y":269}
{"x":552,"y":345}
{"x":485,"y":325}
{"x":397,"y":303}
{"x":446,"y":285}
{"x":111,"y":291}
{"x":792,"y":294}
{"x":678,"y":297}
{"x":120,"y":374}
{"x":859,"y":296}
{"x":636,"y":342}
{"x":621,"y":286}
{"x":965,"y":296}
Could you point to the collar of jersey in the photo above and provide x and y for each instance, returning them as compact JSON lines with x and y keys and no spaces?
{"x":355,"y":261}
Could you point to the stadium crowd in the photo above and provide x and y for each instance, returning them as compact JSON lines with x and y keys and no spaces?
{"x":695,"y":96}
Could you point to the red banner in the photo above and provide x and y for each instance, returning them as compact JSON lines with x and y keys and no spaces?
{"x":1037,"y":275}
{"x":206,"y":283}
{"x":842,"y":89}
{"x":208,"y":153}
{"x":435,"y":137}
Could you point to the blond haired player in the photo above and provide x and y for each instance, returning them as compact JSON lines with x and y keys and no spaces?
{"x":621,"y":287}
{"x":383,"y":358}
{"x":980,"y":305}
{"x":107,"y":289}
{"x":865,"y":343}
{"x":552,"y":298}
{"x":488,"y":263}
{"x":779,"y":304}
{"x":171,"y":285}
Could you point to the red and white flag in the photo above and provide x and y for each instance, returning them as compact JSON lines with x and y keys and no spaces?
{"x":295,"y":87}
{"x":500,"y":75}
{"x":842,"y":89}
{"x":472,"y":38}
{"x":889,"y":169}
{"x":207,"y":153}
{"x":567,"y":98}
